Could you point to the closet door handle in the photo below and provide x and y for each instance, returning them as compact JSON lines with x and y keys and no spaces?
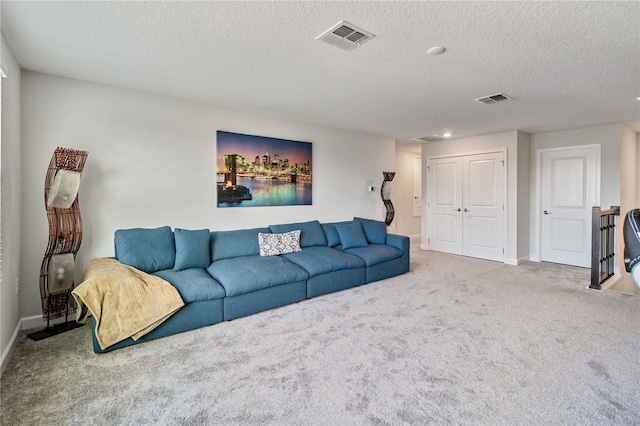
{"x":546,"y":212}
{"x":457,"y":210}
{"x":466,"y":210}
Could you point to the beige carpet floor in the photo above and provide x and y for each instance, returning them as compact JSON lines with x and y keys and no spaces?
{"x":455,"y":341}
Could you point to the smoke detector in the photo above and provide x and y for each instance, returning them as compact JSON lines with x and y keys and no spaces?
{"x":494,"y":99}
{"x":345,"y":36}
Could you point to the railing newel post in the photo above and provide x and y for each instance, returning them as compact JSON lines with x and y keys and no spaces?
{"x":603,"y":227}
{"x":595,"y":248}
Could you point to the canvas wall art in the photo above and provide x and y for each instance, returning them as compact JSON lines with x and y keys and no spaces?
{"x":257,"y":171}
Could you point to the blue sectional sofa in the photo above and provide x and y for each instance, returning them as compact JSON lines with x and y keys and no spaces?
{"x":222,"y":276}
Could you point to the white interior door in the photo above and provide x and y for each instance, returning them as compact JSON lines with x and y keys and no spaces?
{"x":568,"y":192}
{"x":483,"y":206}
{"x":417,"y":185}
{"x":445,"y":204}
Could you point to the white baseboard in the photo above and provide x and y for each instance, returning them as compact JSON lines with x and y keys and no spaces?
{"x":611,"y":282}
{"x":37,"y":321}
{"x":6,"y":355}
{"x":415,"y":237}
{"x":516,"y":262}
{"x":424,"y":247}
{"x":26,"y":323}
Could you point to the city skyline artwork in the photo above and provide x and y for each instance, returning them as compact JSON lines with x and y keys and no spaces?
{"x":259,"y":171}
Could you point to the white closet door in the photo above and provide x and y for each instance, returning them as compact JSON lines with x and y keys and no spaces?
{"x":483,"y":206}
{"x":445,"y":205}
{"x":569,"y":191}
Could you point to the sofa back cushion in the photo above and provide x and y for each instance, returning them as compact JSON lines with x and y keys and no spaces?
{"x":311,"y":232}
{"x":333,"y":239}
{"x":230,"y":244}
{"x":352,"y":236}
{"x":375,"y":230}
{"x":192,"y":249}
{"x":148,"y":250}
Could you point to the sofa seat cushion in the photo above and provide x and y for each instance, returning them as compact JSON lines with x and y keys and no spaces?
{"x":321,"y":260}
{"x":193,"y":284}
{"x":242,"y":275}
{"x":374,"y":254}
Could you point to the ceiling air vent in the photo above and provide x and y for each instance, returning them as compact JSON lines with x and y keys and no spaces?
{"x":345,"y":36}
{"x":494,"y":99}
{"x":432,"y":138}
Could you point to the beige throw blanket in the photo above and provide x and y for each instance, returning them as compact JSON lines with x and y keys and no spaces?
{"x":124,"y":301}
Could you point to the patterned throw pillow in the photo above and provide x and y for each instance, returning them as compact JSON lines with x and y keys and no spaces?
{"x":276,"y":244}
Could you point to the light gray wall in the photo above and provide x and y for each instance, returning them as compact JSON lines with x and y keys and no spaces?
{"x":524,"y":199}
{"x":628,"y":169}
{"x":152,"y":163}
{"x":637,"y":171}
{"x":629,"y":197}
{"x":628,"y":178}
{"x":607,"y":136}
{"x":10,"y":200}
{"x":405,"y":222}
{"x":496,"y":141}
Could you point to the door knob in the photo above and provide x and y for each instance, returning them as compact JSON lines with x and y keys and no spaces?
{"x":466,"y":210}
{"x":458,"y":209}
{"x":546,"y":212}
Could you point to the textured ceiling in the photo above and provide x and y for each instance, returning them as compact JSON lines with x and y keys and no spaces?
{"x":566,"y":64}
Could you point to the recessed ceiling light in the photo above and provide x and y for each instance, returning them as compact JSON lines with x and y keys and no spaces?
{"x":433,"y":137}
{"x":637,"y":99}
{"x":436,"y":50}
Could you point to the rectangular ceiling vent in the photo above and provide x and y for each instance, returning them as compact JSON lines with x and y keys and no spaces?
{"x":494,"y":99}
{"x":432,"y":138}
{"x":345,"y":36}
